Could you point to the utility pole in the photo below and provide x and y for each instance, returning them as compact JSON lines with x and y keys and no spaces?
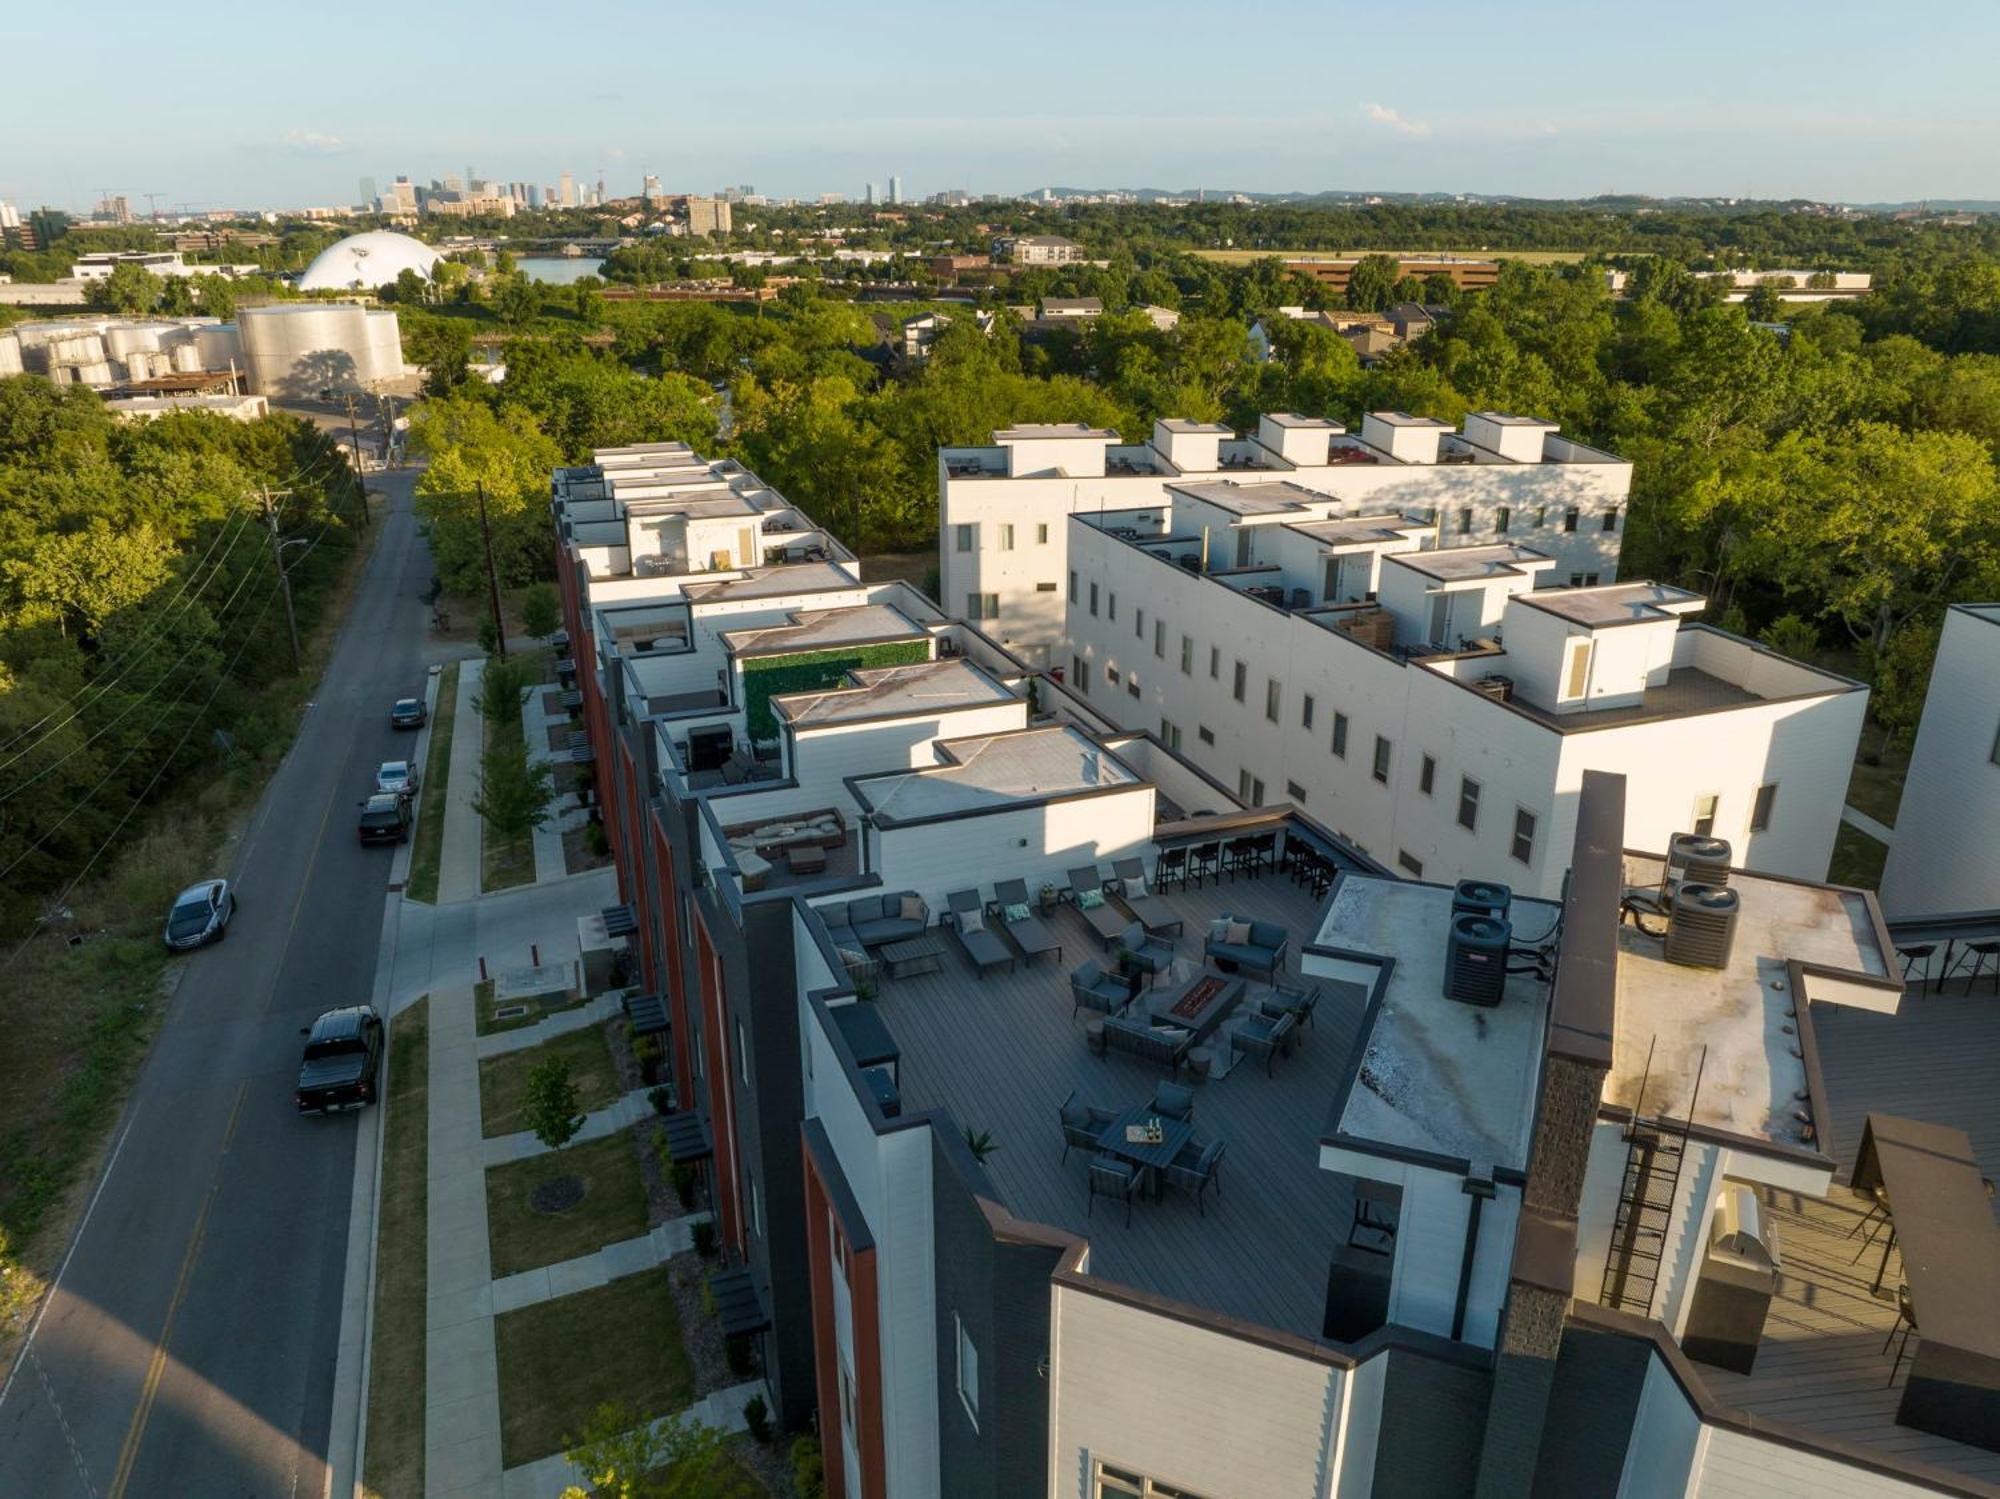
{"x":354,"y":437}
{"x":284,"y":577}
{"x":492,"y":577}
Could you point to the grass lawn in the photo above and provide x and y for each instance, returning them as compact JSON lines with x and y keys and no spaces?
{"x":539,"y":1007}
{"x":396,"y":1360}
{"x":1857,"y":859}
{"x":1878,"y":789}
{"x":503,"y":1080}
{"x":424,"y":858}
{"x":613,"y":1208}
{"x":619,"y":1344}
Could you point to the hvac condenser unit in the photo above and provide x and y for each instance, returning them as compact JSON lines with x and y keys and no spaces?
{"x":1475,"y":960}
{"x":1701,"y":925}
{"x":1480,"y":898}
{"x":1698,"y":858}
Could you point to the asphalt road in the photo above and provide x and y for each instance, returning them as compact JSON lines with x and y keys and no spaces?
{"x":189,"y":1347}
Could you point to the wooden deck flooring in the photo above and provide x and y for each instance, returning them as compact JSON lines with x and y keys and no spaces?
{"x":1002,"y":1054}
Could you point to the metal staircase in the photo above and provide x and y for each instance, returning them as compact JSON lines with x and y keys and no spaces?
{"x":1655,"y":1151}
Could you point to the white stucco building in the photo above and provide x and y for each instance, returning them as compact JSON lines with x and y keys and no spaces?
{"x":1002,"y":547}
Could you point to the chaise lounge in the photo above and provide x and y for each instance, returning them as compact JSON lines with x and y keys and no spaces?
{"x":982,"y":948}
{"x":1086,"y":887}
{"x":1159,"y":918}
{"x":1030,"y":933}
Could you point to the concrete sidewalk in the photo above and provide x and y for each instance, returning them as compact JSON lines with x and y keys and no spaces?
{"x":458,"y":863}
{"x":589,"y":1271}
{"x":620,"y":1113}
{"x":549,"y":1477}
{"x":499,"y":1043}
{"x":441,"y":945}
{"x":1881,"y":832}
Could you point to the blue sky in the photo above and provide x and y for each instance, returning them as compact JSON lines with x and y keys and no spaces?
{"x":205,"y":105}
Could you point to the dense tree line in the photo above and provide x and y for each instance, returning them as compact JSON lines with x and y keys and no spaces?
{"x":139,"y":621}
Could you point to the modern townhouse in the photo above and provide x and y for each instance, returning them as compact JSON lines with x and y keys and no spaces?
{"x":1003,"y":545}
{"x":1076,"y":1129}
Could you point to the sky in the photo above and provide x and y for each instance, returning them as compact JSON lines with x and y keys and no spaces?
{"x":209,"y":105}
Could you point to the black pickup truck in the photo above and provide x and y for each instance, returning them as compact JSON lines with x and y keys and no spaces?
{"x":385,"y":818}
{"x":343,"y":1058}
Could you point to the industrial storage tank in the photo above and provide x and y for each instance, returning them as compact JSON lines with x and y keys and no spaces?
{"x":122,"y":340}
{"x":303,"y":348}
{"x":98,"y":373}
{"x":187,"y":358}
{"x":10,"y":356}
{"x":220,"y":344}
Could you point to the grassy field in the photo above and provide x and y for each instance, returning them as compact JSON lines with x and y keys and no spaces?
{"x":613,"y":1208}
{"x":619,"y":1344}
{"x":396,"y":1371}
{"x":503,"y":1080}
{"x":1532,"y":257}
{"x":1878,"y":789}
{"x":424,"y":858}
{"x":1857,"y":859}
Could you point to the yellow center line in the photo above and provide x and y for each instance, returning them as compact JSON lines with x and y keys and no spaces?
{"x":155,"y":1370}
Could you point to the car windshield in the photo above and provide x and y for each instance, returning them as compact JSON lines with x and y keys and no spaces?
{"x":188,"y":918}
{"x":406,"y":705}
{"x":396,"y":770}
{"x":337,"y":1046}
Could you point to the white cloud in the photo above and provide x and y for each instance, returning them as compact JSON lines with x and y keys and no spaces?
{"x":314,"y":143}
{"x":1382,"y":114}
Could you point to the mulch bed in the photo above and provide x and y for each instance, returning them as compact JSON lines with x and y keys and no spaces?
{"x":558,"y":738}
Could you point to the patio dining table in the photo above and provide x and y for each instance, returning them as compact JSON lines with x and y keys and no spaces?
{"x":1146,"y":1155}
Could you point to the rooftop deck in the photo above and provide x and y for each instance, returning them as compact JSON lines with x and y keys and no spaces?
{"x":1687,"y":689}
{"x":1001,"y":1054}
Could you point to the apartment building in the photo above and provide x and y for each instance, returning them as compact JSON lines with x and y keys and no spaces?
{"x":1003,"y":545}
{"x":1493,"y":1222}
{"x":1336,"y":271}
{"x":1037,"y":249}
{"x":1946,"y":853}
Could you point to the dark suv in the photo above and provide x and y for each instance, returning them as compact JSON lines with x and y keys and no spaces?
{"x":385,"y":819}
{"x":343,"y":1058}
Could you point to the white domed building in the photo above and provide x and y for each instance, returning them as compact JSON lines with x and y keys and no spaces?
{"x":368,"y":262}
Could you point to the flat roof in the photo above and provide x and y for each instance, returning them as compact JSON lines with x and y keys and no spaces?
{"x":1754,"y":1080}
{"x":812,"y":629}
{"x":772,"y":582}
{"x":1404,"y":419}
{"x":1309,"y":423}
{"x":1034,"y":431}
{"x":1359,"y":530}
{"x":1182,"y":424}
{"x":1463,"y":564}
{"x":992,"y":772}
{"x":599,"y":533}
{"x":1616,"y":603}
{"x":1437,"y":1074}
{"x":894,"y":691}
{"x":1252,"y":499}
{"x":1508,"y":419}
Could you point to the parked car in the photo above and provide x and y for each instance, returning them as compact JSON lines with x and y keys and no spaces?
{"x":397,"y":777}
{"x":385,"y":818}
{"x":200,"y":915}
{"x":343,"y":1058}
{"x":408,"y":713}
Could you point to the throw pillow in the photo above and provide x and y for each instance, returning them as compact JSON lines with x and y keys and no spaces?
{"x":1090,"y":900}
{"x":1017,"y":912}
{"x":1218,"y":929}
{"x":852,"y":959}
{"x":971,"y":921}
{"x":1135,"y":888}
{"x":1238,"y":934}
{"x":912,"y":908}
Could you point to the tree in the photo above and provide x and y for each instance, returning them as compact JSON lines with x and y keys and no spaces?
{"x":1902,"y":671}
{"x":517,"y":300}
{"x":514,"y":791}
{"x":1762,"y":304}
{"x":443,"y":346}
{"x":128,"y":289}
{"x":623,"y":1456}
{"x":1371,"y":285}
{"x":541,"y":610}
{"x":551,"y":1104}
{"x":468,"y":445}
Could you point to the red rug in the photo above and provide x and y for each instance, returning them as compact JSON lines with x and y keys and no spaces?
{"x":1200,"y":992}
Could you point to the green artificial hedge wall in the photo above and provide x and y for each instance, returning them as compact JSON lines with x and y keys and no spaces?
{"x":766,"y":677}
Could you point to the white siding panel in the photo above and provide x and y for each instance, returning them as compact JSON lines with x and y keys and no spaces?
{"x":1037,"y":844}
{"x":1666,"y":1432}
{"x":1735,"y":1466}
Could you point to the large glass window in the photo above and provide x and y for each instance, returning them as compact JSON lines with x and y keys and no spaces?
{"x":968,"y":1371}
{"x":1468,"y":804}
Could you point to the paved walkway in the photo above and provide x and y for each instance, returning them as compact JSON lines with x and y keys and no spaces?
{"x":542,"y":1480}
{"x":589,"y":1271}
{"x":458,"y":863}
{"x":1881,"y":832}
{"x":499,"y":1043}
{"x":441,"y":945}
{"x":621,"y":1113}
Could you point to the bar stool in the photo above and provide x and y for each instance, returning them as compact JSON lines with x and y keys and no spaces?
{"x":1878,"y":1209}
{"x":1981,"y":953}
{"x":1906,"y":1323}
{"x":1914,"y":956}
{"x":1204,"y":862}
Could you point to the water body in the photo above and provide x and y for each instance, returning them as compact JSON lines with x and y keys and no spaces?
{"x":558,"y":270}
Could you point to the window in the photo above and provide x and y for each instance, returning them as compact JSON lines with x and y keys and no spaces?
{"x":1072,"y":585}
{"x":1541,"y":516}
{"x":1570,"y":518}
{"x":1249,"y":790}
{"x":1340,"y":735}
{"x":1501,"y":519}
{"x":742,"y":1055}
{"x":1410,"y":864}
{"x":968,"y":1371}
{"x":1111,"y":675}
{"x":1295,"y":791}
{"x":1240,"y":681}
{"x":1272,"y":694}
{"x":1205,"y":734}
{"x":1045,"y":588}
{"x":1160,"y":639}
{"x":1524,"y":836}
{"x":1079,"y":671}
{"x":1761,"y":808}
{"x":982,"y":606}
{"x":1427,"y":774}
{"x":1041,"y":535}
{"x":1576,"y":670}
{"x":1006,"y":538}
{"x":1110,"y":605}
{"x":1132,"y":684}
{"x":1468,"y":804}
{"x":968,"y":538}
{"x":1381,"y":770}
{"x":1093,"y":599}
{"x":1126,"y":1483}
{"x":1170,"y":734}
{"x":1465,"y":521}
{"x":754,"y":1207}
{"x":1611,"y":519}
{"x":1306,"y":711}
{"x":1139,"y":623}
{"x":1214,"y":662}
{"x":1704,"y":814}
{"x":1187,"y":655}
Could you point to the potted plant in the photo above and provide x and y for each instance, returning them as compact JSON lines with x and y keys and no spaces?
{"x":1048,"y":900}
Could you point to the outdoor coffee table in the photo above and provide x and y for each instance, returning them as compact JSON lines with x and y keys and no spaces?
{"x":807,"y":858}
{"x":914,"y":955}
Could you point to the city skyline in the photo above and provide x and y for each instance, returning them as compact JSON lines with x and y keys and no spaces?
{"x":1561,"y":102}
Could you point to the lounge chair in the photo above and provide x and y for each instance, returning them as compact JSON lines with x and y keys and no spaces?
{"x":1091,"y":988}
{"x":1159,"y":917}
{"x":1148,"y":956}
{"x":968,"y":922}
{"x":1030,"y":933}
{"x":1087,"y":889}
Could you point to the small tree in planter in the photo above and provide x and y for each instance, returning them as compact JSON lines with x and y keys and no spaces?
{"x":624,"y":1456}
{"x":647,"y":1052}
{"x":703,"y":1235}
{"x":551,"y":1106}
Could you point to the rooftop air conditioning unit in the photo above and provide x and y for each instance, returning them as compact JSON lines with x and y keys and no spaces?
{"x":1475,"y":959}
{"x":1701,"y":928}
{"x":1480,"y":898}
{"x":1698,"y":857}
{"x":1497,"y":687}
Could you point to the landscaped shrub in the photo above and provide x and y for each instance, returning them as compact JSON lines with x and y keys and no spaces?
{"x":703,"y":1235}
{"x":757,"y":1417}
{"x":808,"y":1468}
{"x":737,"y":1353}
{"x":685,"y":1179}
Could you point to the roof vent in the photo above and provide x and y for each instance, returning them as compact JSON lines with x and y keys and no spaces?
{"x":1698,"y":857}
{"x":1475,"y":959}
{"x":1702,"y":926}
{"x":1494,"y":685}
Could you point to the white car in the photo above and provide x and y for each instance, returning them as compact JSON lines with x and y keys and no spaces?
{"x":397,"y":778}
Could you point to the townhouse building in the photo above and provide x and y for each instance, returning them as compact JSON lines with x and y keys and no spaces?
{"x":1424,"y":1208}
{"x":1003,"y":545}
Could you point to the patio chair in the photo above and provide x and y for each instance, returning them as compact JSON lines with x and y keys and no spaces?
{"x":982,"y":948}
{"x":1082,"y":1124}
{"x":1173,"y":1100}
{"x":1196,"y":1167}
{"x":1159,"y":917}
{"x":1300,"y":1002}
{"x":1016,"y":913}
{"x":1147,"y":955}
{"x":1087,"y":890}
{"x":1111,"y":1177}
{"x":1091,"y":988}
{"x":1265,"y":1036}
{"x":1172,"y":865}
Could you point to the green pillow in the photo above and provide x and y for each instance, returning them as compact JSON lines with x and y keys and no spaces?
{"x":1016,"y":912}
{"x":1090,"y":900}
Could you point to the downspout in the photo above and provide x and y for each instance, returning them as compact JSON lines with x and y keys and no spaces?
{"x":1479,"y":1187}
